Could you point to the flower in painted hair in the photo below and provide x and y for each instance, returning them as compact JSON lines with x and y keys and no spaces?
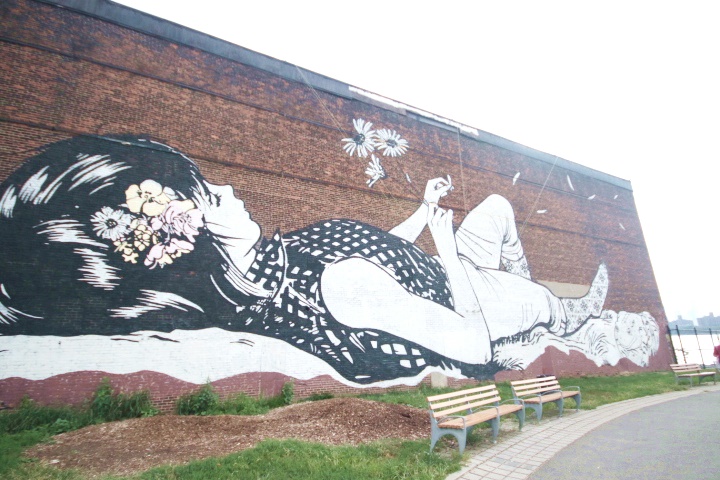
{"x":127,"y":250}
{"x":363,"y":142}
{"x":159,"y":226}
{"x":111,"y":224}
{"x":374,"y":170}
{"x":390,"y":143}
{"x":181,"y":217}
{"x":165,"y":253}
{"x":143,"y":235}
{"x":148,"y":198}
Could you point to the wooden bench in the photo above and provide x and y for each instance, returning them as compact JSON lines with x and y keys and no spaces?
{"x":538,"y":391}
{"x":689,"y":371}
{"x":457,"y":413}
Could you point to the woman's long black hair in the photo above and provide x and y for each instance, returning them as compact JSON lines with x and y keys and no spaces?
{"x":59,"y":277}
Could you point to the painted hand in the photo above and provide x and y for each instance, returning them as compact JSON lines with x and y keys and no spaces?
{"x":436,"y":189}
{"x":440,"y":223}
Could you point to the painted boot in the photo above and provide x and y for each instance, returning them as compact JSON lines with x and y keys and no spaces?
{"x":517,"y":267}
{"x":578,"y":310}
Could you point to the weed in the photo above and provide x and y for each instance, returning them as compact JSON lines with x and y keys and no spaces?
{"x":109,"y":406}
{"x":319,"y":396}
{"x":287,"y":392}
{"x":202,"y":402}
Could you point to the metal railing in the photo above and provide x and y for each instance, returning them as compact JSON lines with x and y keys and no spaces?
{"x":694,"y":345}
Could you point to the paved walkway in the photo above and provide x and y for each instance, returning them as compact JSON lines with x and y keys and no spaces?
{"x":517,"y":455}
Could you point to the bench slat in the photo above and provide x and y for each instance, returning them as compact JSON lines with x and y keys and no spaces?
{"x":459,"y":393}
{"x":533,"y":380}
{"x":487,"y":397}
{"x":539,"y":390}
{"x":461,"y":408}
{"x":470,"y":420}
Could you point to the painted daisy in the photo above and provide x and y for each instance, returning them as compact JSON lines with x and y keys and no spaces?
{"x":375,"y":170}
{"x":390,"y":143}
{"x":111,"y":224}
{"x":364,"y":140}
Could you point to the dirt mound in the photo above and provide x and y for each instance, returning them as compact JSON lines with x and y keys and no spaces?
{"x":136,"y":445}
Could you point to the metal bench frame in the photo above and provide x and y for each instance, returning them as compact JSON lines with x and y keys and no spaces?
{"x":477,"y":405}
{"x":538,"y":391}
{"x":689,"y":371}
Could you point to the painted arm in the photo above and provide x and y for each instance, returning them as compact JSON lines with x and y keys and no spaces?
{"x":466,"y":303}
{"x":411,"y":228}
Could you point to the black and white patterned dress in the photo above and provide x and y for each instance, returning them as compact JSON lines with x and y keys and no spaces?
{"x":291,"y":266}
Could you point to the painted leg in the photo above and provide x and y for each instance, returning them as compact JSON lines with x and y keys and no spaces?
{"x":488,"y":235}
{"x":579,"y":310}
{"x":517,"y":267}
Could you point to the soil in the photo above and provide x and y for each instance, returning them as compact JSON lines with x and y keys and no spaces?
{"x":132,"y":446}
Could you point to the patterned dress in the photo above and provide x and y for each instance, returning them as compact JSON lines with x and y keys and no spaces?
{"x":290,"y":267}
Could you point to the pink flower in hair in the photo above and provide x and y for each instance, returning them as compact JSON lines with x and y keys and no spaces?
{"x":181,"y":217}
{"x":165,"y":253}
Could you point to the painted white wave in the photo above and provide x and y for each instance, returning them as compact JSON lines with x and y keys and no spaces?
{"x":194,"y":356}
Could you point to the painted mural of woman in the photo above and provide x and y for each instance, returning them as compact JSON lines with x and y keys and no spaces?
{"x":111,"y":236}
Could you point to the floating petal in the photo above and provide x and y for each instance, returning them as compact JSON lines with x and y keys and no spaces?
{"x":570,"y":183}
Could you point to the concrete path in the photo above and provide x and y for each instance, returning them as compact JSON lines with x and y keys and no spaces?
{"x":598,"y":444}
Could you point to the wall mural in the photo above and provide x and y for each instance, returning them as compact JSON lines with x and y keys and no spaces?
{"x":117,"y":255}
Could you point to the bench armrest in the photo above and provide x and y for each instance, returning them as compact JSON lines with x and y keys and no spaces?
{"x":532,"y":395}
{"x":547,"y":392}
{"x":572,"y":387}
{"x":442,"y":419}
{"x":516,"y":401}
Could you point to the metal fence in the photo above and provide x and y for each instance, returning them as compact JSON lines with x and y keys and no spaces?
{"x":694,"y":345}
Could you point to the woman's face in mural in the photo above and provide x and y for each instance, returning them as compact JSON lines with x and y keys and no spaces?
{"x":226,"y":218}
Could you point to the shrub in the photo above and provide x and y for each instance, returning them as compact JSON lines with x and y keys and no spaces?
{"x":31,"y":416}
{"x":287,"y":392}
{"x":108,"y":406}
{"x":203,"y":402}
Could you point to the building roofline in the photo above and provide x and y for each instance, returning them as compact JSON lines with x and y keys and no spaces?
{"x":151,"y":25}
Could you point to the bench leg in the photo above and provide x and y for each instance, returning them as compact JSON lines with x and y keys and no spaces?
{"x":436,"y":433}
{"x":560,"y":404}
{"x":520,"y":414}
{"x":495,"y":424}
{"x":538,"y":410}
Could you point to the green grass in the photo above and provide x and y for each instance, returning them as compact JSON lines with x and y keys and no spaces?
{"x":291,"y":459}
{"x":598,"y":391}
{"x":595,"y":391}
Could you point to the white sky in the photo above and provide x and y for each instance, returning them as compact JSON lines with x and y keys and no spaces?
{"x":630,"y":88}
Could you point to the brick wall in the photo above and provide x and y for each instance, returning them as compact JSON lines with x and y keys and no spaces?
{"x":278,"y":142}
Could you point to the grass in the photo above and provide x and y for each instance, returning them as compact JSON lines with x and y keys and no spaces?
{"x":291,"y":459}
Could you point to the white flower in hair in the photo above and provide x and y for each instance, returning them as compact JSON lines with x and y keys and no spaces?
{"x":364,"y":140}
{"x":111,"y":224}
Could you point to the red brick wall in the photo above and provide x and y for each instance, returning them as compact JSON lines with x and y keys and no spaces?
{"x":277,"y":142}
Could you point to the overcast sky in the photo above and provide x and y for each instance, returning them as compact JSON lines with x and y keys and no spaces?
{"x":630,"y":88}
